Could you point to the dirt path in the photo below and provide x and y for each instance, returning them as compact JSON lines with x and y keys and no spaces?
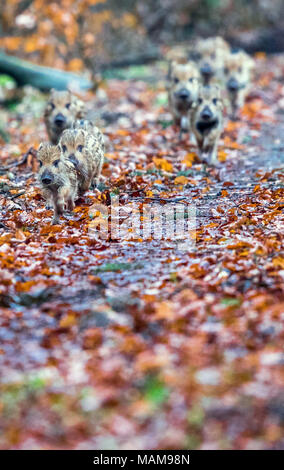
{"x":122,"y":343}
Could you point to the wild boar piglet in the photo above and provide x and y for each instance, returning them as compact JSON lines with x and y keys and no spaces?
{"x":207,"y":122}
{"x":85,"y":150}
{"x":210,"y":54}
{"x":57,"y":179}
{"x":238,"y":68}
{"x":183,"y":92}
{"x":91,"y":128}
{"x":61,"y":110}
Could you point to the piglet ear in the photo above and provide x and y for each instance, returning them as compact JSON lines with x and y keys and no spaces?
{"x":172,"y":65}
{"x":58,"y":149}
{"x":64,"y":133}
{"x":251,"y":64}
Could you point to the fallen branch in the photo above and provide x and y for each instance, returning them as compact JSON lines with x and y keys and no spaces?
{"x":44,"y":78}
{"x":131,"y":191}
{"x":15,"y":196}
{"x":161,"y":199}
{"x":32,"y":151}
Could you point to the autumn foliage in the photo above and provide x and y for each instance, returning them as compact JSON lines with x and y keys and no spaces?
{"x":127,"y":343}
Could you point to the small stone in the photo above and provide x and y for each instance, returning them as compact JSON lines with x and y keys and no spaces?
{"x":272,"y":359}
{"x":208,"y":376}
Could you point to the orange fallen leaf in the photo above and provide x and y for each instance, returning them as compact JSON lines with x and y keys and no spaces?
{"x":68,"y":320}
{"x":75,"y":65}
{"x":278,"y":262}
{"x":180,"y":180}
{"x":189,"y":159}
{"x":163,"y":164}
{"x":164,"y":310}
{"x":260,"y":55}
{"x":222,"y":156}
{"x":231,"y":144}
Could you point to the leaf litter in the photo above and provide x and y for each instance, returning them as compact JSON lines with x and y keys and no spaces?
{"x":131,"y":343}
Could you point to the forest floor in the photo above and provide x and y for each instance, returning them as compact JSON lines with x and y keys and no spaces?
{"x":124,"y":342}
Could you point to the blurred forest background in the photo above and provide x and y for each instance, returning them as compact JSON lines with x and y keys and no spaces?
{"x":96,"y":34}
